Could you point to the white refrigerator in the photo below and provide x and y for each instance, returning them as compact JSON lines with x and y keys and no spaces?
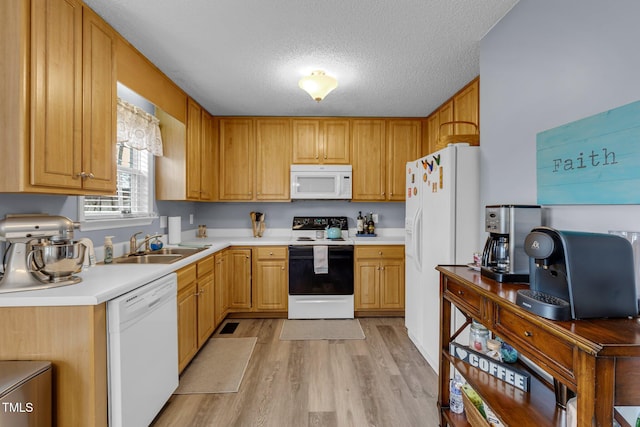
{"x":442,"y":226}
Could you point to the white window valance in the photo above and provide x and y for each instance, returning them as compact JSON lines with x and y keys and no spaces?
{"x":138,"y":129}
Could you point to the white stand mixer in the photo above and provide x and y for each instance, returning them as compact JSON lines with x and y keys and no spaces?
{"x":41,"y":253}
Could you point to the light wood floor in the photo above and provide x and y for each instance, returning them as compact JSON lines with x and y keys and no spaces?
{"x":381,"y":381}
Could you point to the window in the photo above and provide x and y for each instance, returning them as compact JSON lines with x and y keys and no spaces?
{"x":133,"y":200}
{"x":139,"y":140}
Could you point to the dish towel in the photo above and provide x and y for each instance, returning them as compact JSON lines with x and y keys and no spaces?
{"x":321,"y":259}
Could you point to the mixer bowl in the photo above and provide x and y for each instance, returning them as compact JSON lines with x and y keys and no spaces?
{"x":57,"y":260}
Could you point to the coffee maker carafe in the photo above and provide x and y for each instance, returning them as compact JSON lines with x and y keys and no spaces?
{"x":503,"y":258}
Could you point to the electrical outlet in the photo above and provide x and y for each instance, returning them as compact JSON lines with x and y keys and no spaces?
{"x":191,"y":219}
{"x":163,"y":221}
{"x":375,"y":217}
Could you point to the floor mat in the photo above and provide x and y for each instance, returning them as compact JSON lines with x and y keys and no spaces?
{"x":219,"y":367}
{"x":321,"y":329}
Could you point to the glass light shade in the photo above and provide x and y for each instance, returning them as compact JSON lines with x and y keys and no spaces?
{"x":318,"y":85}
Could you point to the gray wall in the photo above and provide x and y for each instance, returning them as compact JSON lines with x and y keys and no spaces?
{"x":547,"y":63}
{"x":280,"y":215}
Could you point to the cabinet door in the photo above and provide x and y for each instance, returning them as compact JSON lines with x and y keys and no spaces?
{"x":221,"y":286}
{"x":187,"y":325}
{"x":445,"y":114}
{"x":335,"y":142}
{"x":392,"y":284}
{"x":369,"y":159}
{"x":306,"y":141}
{"x":240,"y":278}
{"x":466,"y":107}
{"x":194,"y":134}
{"x":367,"y":284}
{"x":237,"y":152}
{"x":271,"y":285}
{"x":99,"y":113}
{"x":56,"y":93}
{"x":208,"y":167}
{"x":403,"y":145}
{"x":433,"y":122}
{"x":273,"y":159}
{"x":206,"y":308}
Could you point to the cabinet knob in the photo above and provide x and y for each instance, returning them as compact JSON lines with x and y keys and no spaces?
{"x":528,"y":334}
{"x":317,"y":156}
{"x":379,"y":252}
{"x":85,"y":175}
{"x":390,"y":194}
{"x":382,"y":194}
{"x":460,"y":292}
{"x":281,"y":268}
{"x":270,"y":253}
{"x":381,"y":268}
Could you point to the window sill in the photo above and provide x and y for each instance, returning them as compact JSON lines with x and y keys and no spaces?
{"x":104,"y":224}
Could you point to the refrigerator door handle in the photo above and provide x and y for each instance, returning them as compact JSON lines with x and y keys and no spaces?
{"x":417,"y":240}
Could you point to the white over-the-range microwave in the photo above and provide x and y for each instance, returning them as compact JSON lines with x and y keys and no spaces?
{"x":321,"y":182}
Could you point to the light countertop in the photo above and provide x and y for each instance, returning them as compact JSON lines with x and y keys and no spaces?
{"x":102,"y":283}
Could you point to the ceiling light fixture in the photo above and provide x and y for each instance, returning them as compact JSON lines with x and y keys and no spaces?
{"x":318,"y":84}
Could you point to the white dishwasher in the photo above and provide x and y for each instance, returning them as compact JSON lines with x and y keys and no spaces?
{"x":143,"y":352}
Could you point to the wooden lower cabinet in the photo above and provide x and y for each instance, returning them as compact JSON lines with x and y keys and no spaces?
{"x":270,"y":278}
{"x":74,"y":339}
{"x":221,"y":286}
{"x":239,"y":278}
{"x":196,"y":308}
{"x":379,"y":278}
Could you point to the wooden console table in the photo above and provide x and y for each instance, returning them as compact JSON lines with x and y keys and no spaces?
{"x":598,"y":359}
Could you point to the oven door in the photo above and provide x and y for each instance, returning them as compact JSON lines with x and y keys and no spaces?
{"x":303,"y":280}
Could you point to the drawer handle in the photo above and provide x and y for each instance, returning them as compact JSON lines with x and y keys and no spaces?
{"x":528,"y":334}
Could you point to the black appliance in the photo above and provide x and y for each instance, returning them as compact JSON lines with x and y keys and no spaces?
{"x":338,"y":280}
{"x":579,"y":275}
{"x":503,"y":258}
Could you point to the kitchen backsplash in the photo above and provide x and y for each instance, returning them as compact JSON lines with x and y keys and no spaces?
{"x":213,"y":215}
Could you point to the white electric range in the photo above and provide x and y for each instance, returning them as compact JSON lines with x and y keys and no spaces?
{"x":320,"y":270}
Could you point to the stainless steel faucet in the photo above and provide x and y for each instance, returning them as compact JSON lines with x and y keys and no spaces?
{"x":134,"y":246}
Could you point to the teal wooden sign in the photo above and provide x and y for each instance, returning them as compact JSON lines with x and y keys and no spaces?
{"x":595,"y":160}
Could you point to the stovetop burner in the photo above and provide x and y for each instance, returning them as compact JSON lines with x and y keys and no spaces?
{"x":311,"y":239}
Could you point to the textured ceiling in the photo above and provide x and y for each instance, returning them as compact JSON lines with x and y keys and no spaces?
{"x":245,"y":57}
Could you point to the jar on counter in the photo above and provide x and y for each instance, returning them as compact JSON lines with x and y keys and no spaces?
{"x":478,"y":337}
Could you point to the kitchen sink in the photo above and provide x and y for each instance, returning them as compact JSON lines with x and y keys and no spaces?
{"x":148,"y":259}
{"x":177,"y":251}
{"x":161,"y":256}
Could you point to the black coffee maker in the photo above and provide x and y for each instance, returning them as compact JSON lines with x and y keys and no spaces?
{"x":503,"y":258}
{"x":578,"y":275}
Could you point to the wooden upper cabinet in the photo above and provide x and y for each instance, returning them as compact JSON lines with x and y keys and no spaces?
{"x":273,"y":158}
{"x":318,"y":141}
{"x":59,"y":95}
{"x":306,"y":141}
{"x":403,"y":145}
{"x":208,"y":159}
{"x":463,"y":106}
{"x":100,"y":94}
{"x":368,"y":154}
{"x":237,"y":162}
{"x":466,"y":107}
{"x":335,"y":141}
{"x":194,"y":136}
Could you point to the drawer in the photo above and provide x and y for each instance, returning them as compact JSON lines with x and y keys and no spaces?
{"x":186,"y":276}
{"x":271,"y":252}
{"x":464,"y":297}
{"x":394,"y":251}
{"x":205,"y":266}
{"x":539,"y":344}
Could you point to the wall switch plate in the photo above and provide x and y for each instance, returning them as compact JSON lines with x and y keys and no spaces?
{"x":375,"y":217}
{"x":191,"y":219}
{"x":163,"y":221}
